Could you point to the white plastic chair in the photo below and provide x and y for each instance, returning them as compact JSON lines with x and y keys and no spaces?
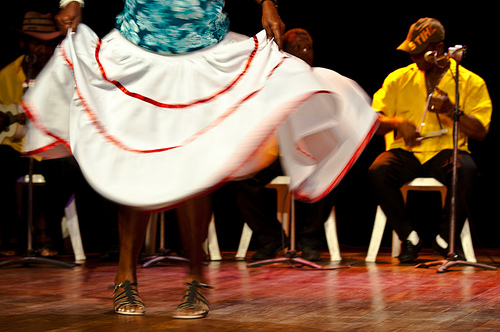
{"x":417,"y":184}
{"x":420,"y":184}
{"x":69,"y":222}
{"x":284,"y":203}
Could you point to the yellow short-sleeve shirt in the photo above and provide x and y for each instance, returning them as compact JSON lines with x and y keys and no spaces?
{"x":404,"y":94}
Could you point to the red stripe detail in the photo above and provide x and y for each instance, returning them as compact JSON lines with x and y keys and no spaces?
{"x":271,"y":132}
{"x":231,"y":110}
{"x":110,"y":138}
{"x":276,"y":67}
{"x":164,"y":105}
{"x":101,"y":129}
{"x":70,"y":64}
{"x":31,"y":114}
{"x":348,"y":166}
{"x":44,"y":148}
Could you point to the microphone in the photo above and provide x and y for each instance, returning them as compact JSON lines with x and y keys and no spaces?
{"x":455,"y":52}
{"x":431,"y":56}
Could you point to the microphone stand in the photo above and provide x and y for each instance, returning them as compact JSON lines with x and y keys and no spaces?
{"x":452,"y":259}
{"x":32,"y":256}
{"x":163,"y":253}
{"x":290,"y":256}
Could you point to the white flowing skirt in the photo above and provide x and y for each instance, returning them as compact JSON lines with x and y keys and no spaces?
{"x":151,"y":130}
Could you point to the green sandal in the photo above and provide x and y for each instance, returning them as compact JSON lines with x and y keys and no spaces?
{"x":126,"y":299}
{"x":194,"y":304}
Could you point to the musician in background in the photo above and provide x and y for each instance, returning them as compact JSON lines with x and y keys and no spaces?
{"x":253,"y":201}
{"x":423,"y":146}
{"x":38,"y":38}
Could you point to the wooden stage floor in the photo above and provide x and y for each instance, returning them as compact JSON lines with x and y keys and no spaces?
{"x":382,"y":296}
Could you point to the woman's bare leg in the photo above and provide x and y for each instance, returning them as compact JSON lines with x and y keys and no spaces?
{"x":132,"y":226}
{"x":193,"y":218}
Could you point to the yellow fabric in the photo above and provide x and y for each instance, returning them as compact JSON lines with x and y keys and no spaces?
{"x":404,"y":94}
{"x":11,"y":92}
{"x":267,"y":154}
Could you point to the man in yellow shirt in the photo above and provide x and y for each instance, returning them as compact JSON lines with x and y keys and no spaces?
{"x":417,"y":103}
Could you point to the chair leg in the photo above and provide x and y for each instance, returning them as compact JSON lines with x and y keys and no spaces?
{"x":213,"y":243}
{"x":378,"y":232}
{"x":467,"y":246}
{"x":396,"y":244}
{"x":150,"y":241}
{"x":74,"y":230}
{"x":246,"y":236}
{"x":331,"y":237}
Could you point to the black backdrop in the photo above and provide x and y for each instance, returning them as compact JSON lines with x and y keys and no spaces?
{"x":359,"y":41}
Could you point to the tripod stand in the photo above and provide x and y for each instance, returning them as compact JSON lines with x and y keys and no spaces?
{"x":31,"y":256}
{"x":163,"y":254}
{"x":291,"y":255}
{"x":452,"y":259}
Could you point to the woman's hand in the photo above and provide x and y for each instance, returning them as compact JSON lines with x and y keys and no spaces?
{"x":271,"y":22}
{"x":69,"y":17}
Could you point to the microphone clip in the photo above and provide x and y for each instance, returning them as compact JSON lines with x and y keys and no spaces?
{"x":457,"y":53}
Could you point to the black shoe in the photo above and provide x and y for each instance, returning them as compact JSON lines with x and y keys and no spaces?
{"x":409,"y":252}
{"x":438,"y":250}
{"x":110,"y":256}
{"x":310,"y":254}
{"x":269,"y":251}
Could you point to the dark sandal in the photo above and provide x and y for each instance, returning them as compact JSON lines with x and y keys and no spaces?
{"x":126,"y":299}
{"x":194,"y":304}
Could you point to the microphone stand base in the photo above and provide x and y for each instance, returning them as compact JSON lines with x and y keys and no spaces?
{"x":291,"y":258}
{"x":33,"y":259}
{"x":163,"y":255}
{"x":445,"y":264}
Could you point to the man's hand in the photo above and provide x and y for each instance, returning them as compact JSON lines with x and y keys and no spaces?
{"x":408,"y":131}
{"x":402,"y":127}
{"x":4,"y":121}
{"x":468,"y":124}
{"x":441,"y":104}
{"x":69,"y":17}
{"x":21,"y":118}
{"x":272,"y":23}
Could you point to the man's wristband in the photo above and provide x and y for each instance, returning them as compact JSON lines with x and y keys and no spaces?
{"x":452,"y":114}
{"x":64,"y":3}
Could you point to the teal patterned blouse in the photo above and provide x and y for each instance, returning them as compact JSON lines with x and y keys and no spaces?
{"x":173,"y":26}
